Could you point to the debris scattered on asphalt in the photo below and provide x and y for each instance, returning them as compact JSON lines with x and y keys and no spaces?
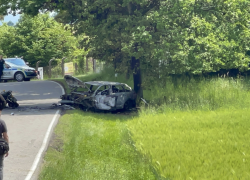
{"x":67,"y":107}
{"x":144,"y":101}
{"x":64,"y":107}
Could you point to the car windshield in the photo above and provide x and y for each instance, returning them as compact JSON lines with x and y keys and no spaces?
{"x":92,"y":87}
{"x":18,"y":62}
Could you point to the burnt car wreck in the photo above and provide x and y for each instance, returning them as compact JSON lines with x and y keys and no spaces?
{"x":98,"y":95}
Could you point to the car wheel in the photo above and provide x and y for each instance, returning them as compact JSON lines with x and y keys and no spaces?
{"x":127,"y":105}
{"x":27,"y":79}
{"x":19,"y":76}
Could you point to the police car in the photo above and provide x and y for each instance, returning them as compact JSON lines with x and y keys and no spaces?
{"x":17,"y":69}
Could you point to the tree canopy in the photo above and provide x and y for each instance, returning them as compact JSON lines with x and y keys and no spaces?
{"x":158,"y":37}
{"x":38,"y":38}
{"x":42,"y":38}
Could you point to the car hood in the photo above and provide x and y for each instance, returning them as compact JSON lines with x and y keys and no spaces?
{"x":74,"y":82}
{"x":22,"y":67}
{"x":25,"y":67}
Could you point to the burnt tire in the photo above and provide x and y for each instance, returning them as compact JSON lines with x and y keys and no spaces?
{"x":128,"y":105}
{"x":19,"y":76}
{"x":13,"y":105}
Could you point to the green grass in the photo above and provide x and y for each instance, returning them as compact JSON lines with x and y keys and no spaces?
{"x":193,"y":129}
{"x":206,"y":94}
{"x":200,"y":130}
{"x":94,"y":146}
{"x":196,"y":144}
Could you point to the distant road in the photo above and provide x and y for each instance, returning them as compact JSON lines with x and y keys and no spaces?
{"x":28,"y":126}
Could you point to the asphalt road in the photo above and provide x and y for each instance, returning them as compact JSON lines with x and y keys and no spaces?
{"x":29,"y":125}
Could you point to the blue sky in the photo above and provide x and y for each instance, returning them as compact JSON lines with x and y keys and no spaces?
{"x":14,"y":19}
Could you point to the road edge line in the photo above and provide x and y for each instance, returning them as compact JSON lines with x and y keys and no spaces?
{"x":63,"y":91}
{"x":44,"y":144}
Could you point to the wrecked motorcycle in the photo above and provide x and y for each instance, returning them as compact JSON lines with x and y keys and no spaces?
{"x":10,"y":99}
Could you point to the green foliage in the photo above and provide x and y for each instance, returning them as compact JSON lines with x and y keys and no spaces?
{"x":93,"y":146}
{"x":7,"y":40}
{"x":41,"y":39}
{"x":56,"y":72}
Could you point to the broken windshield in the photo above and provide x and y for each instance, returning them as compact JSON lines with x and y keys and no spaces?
{"x":91,"y":87}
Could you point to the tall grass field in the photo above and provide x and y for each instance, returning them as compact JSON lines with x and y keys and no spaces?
{"x":192,"y":129}
{"x":196,"y":144}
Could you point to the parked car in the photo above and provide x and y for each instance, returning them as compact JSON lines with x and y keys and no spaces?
{"x":17,"y":69}
{"x":99,"y":95}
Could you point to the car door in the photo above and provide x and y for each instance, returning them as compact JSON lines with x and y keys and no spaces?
{"x":103,"y":99}
{"x":6,"y":72}
{"x":119,"y":92}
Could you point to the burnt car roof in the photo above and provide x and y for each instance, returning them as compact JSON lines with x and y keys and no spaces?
{"x":74,"y":82}
{"x":99,"y":83}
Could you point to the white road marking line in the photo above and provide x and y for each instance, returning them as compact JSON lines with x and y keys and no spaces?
{"x":45,"y":140}
{"x":63,"y":92}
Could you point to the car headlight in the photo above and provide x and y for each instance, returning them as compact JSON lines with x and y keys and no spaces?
{"x":29,"y":70}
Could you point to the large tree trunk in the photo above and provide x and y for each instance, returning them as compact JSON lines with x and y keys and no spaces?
{"x":135,"y":66}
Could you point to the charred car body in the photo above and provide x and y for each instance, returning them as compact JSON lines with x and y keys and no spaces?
{"x":99,"y":95}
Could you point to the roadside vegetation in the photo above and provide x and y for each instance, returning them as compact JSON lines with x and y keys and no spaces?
{"x":192,"y":129}
{"x":94,"y":146}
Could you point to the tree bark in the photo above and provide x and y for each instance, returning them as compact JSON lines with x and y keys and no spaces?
{"x":76,"y":67}
{"x":87,"y":64}
{"x":94,"y":65}
{"x":135,"y":66}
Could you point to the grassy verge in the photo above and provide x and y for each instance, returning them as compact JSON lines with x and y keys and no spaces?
{"x":95,"y":146}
